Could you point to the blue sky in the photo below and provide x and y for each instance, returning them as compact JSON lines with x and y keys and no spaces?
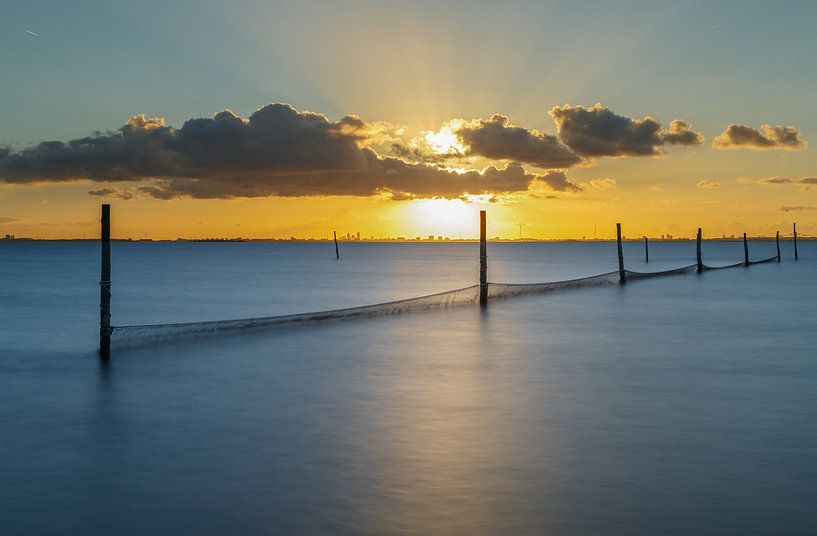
{"x":94,"y":64}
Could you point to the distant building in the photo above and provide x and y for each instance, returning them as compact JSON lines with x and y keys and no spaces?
{"x":431,"y":237}
{"x":9,"y":237}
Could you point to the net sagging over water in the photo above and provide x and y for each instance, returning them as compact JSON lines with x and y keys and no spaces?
{"x":138,"y":335}
{"x":508,"y":290}
{"x":128,"y":336}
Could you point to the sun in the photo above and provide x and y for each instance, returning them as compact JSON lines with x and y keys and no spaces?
{"x":454,"y":218}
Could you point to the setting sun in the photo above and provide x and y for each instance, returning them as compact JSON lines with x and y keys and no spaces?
{"x":453,"y":218}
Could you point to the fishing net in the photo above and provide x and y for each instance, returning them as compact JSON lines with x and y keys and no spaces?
{"x":127,"y":336}
{"x":135,"y":335}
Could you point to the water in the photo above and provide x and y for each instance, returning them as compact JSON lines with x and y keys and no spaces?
{"x":673,"y":406}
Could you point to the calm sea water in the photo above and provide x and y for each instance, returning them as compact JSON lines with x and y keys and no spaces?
{"x":682,"y":405}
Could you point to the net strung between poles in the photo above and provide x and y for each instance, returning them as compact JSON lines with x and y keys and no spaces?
{"x":128,"y":336}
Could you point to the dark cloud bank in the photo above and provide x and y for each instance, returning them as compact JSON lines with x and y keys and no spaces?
{"x":598,"y":131}
{"x":497,"y":139}
{"x":280,"y":151}
{"x":557,"y":181}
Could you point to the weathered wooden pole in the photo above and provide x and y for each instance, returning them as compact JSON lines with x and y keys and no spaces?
{"x":622,"y":276}
{"x":777,"y":241}
{"x":105,"y":286}
{"x":483,"y":260}
{"x":795,"y":241}
{"x":337,"y":251}
{"x":745,"y":250}
{"x":698,"y":252}
{"x":646,"y":250}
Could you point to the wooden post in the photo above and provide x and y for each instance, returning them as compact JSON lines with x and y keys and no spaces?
{"x":795,"y":241}
{"x":646,"y":250}
{"x":622,"y":276}
{"x":337,"y":251}
{"x":483,"y":260}
{"x":777,"y":241}
{"x":105,"y":286}
{"x":698,"y":252}
{"x":745,"y":250}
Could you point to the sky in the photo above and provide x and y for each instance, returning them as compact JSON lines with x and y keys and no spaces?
{"x":277,"y":119}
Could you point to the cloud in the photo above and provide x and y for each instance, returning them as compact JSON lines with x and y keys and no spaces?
{"x":497,"y":139}
{"x":806,"y":183}
{"x":7,"y":219}
{"x":797,"y":208}
{"x":680,"y":133}
{"x":115,"y":193}
{"x":766,"y":137}
{"x":557,"y":181}
{"x":777,"y":180}
{"x":275,"y":139}
{"x":600,"y":184}
{"x":708,"y":185}
{"x":388,"y":175}
{"x":277,"y":151}
{"x":598,"y":131}
{"x":418,"y":154}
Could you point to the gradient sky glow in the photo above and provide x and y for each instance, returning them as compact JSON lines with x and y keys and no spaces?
{"x":417,"y":65}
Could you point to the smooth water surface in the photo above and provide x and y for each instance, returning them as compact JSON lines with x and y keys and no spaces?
{"x":679,"y":405}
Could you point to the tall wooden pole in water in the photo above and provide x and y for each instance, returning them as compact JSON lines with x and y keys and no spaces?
{"x":745,"y":250}
{"x":337,"y":251}
{"x":795,"y":241}
{"x":622,"y":277}
{"x":698,"y":253}
{"x":646,"y":250}
{"x":483,"y":260}
{"x":777,"y":241}
{"x":105,"y":286}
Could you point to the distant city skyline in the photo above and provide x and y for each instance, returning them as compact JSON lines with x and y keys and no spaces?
{"x":440,"y":238}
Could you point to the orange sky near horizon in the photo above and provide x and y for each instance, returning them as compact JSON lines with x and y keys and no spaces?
{"x":670,"y":193}
{"x":659,"y":213}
